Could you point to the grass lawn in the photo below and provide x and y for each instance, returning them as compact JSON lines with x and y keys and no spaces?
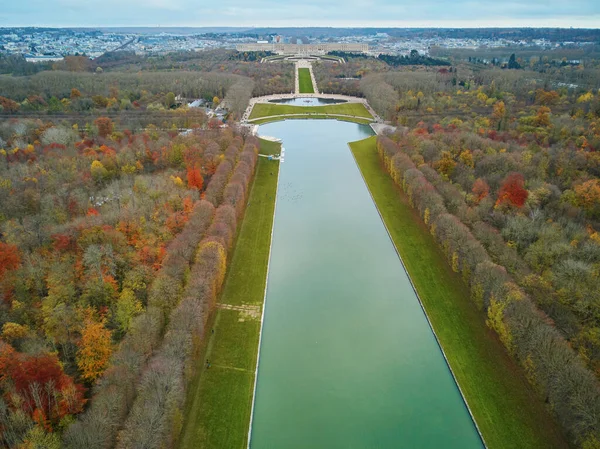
{"x":262,"y":121}
{"x":271,"y":109}
{"x":305,"y":82}
{"x":507,"y":411}
{"x":219,"y":403}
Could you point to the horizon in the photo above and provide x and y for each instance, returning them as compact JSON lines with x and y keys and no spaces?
{"x":309,"y":13}
{"x":251,"y":27}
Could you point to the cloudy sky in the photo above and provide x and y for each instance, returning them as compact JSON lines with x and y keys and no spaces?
{"x":392,"y":13}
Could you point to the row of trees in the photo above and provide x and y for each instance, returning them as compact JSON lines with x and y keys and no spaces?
{"x":156,"y":417}
{"x":553,"y":368}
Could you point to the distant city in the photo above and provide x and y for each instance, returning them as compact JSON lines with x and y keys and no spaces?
{"x":41,"y":44}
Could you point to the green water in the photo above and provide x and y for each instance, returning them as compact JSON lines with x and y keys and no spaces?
{"x":347,"y":357}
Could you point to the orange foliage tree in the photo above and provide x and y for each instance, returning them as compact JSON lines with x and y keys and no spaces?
{"x":481,"y":189}
{"x":8,"y":105}
{"x":513,"y":191}
{"x":95,"y":349}
{"x":587,"y":196}
{"x":194,"y":178}
{"x":105,"y":126}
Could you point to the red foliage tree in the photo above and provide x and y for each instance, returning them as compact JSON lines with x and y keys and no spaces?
{"x":9,"y":257}
{"x":6,"y":358}
{"x":62,"y":242}
{"x":194,"y":178}
{"x":481,"y":189}
{"x":513,"y":190}
{"x":45,"y":391}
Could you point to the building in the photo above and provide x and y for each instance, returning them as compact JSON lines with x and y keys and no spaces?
{"x":303,"y":49}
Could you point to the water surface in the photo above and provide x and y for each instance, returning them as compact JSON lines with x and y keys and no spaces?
{"x":310,"y":101}
{"x":347,"y":357}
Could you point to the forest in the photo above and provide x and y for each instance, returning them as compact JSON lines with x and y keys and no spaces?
{"x":116,"y":227}
{"x":511,"y":194}
{"x":113,"y":250}
{"x":143,"y":79}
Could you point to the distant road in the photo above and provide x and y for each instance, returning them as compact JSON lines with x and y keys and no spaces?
{"x":121,"y":47}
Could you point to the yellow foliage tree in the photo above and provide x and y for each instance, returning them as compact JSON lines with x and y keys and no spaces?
{"x":95,"y":349}
{"x":13,"y":331}
{"x":99,"y":172}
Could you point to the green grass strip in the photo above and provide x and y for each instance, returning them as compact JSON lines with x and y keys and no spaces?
{"x":271,"y":109}
{"x":217,"y":413}
{"x":305,"y":82}
{"x":508,"y":412}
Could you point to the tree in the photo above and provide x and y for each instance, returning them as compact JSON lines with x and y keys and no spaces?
{"x":104,"y":125}
{"x":45,"y":391}
{"x":95,"y":349}
{"x":512,"y":191}
{"x":170,"y":100}
{"x":542,"y":117}
{"x":9,"y":258}
{"x":194,"y":178}
{"x":75,"y":93}
{"x":8,"y":105}
{"x":128,"y":307}
{"x":587,"y":196}
{"x":481,"y":189}
{"x":512,"y":62}
{"x":99,"y":172}
{"x":38,"y":438}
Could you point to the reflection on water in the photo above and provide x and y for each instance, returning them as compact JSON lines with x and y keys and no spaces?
{"x":299,"y":101}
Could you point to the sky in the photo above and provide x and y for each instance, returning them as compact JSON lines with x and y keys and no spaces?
{"x":334,"y":13}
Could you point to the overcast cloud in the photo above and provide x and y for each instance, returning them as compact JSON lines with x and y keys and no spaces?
{"x":384,"y":13}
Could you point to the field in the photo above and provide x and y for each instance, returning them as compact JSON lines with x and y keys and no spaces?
{"x":305,"y":82}
{"x":507,"y":411}
{"x":218,"y":411}
{"x":272,"y":109}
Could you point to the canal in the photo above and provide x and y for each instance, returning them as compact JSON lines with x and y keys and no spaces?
{"x":347,"y":358}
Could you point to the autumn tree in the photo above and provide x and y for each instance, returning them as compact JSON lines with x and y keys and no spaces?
{"x":480,"y":189}
{"x":194,"y":178}
{"x":512,"y":191}
{"x":75,"y":93}
{"x":105,"y":126}
{"x":95,"y":349}
{"x":499,"y":114}
{"x":587,"y":196}
{"x":8,"y":105}
{"x":42,"y":389}
{"x":542,"y":117}
{"x":9,"y":257}
{"x":98,"y":171}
